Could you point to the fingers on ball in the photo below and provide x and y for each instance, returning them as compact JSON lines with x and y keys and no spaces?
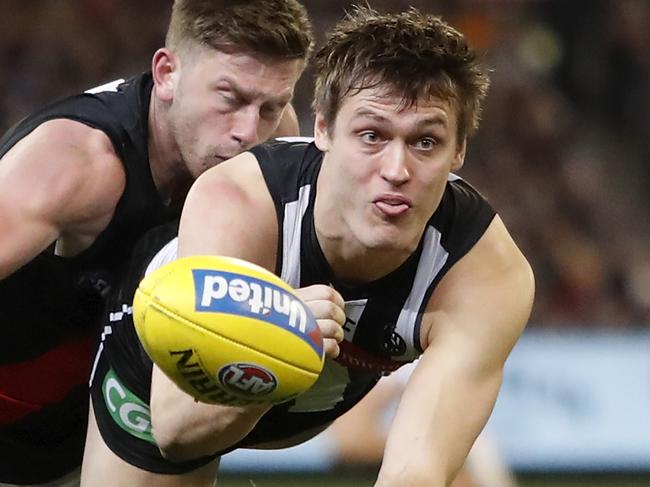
{"x":331,"y":329}
{"x":331,"y":348}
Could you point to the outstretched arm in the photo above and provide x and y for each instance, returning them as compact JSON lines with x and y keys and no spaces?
{"x":474,"y":317}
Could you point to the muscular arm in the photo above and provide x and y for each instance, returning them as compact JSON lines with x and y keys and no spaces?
{"x":61,"y":180}
{"x":229,"y":211}
{"x":472,"y":321}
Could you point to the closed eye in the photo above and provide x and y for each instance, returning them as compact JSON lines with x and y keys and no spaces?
{"x":271,"y":112}
{"x":230,"y":97}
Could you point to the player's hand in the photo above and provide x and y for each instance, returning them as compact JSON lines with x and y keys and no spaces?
{"x":328,"y":307}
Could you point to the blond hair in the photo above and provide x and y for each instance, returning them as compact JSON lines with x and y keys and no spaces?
{"x":276,"y":28}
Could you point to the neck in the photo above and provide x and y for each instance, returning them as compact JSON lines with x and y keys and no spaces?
{"x":355,"y":264}
{"x":169,"y":173}
{"x":350,"y":260}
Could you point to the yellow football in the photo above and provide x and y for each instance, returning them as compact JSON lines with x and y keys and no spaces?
{"x":227,"y":331}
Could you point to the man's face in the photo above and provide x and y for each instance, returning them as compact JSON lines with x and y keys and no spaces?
{"x":225,"y":103}
{"x":386,"y":167}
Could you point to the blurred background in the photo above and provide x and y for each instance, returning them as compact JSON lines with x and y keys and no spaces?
{"x":562,"y":154}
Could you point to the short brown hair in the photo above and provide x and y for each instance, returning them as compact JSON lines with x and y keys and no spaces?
{"x":278,"y":28}
{"x":412,"y":54}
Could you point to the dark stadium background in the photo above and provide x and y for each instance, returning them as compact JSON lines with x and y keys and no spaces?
{"x":562,"y":153}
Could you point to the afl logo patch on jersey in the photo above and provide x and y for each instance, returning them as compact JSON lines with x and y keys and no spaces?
{"x":248,"y":379}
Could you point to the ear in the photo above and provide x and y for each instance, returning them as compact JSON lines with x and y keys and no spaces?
{"x":321,"y":134}
{"x":164,"y":68}
{"x":459,"y":158}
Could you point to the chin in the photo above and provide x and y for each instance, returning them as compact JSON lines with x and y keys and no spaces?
{"x":206,"y":163}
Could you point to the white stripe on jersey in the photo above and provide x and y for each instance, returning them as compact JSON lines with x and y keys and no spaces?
{"x":353,"y":311}
{"x":110,"y":86}
{"x":326,"y":392}
{"x":291,"y":233}
{"x":167,"y":254}
{"x":296,"y":138}
{"x":432,"y":259}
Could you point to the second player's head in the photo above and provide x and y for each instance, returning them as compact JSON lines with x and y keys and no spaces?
{"x":227,"y":72}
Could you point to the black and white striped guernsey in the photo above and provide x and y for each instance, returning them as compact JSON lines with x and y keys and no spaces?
{"x":382,"y":317}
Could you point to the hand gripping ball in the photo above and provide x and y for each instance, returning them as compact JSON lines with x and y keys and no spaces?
{"x":227,"y":331}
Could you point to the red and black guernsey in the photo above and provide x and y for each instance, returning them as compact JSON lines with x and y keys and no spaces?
{"x":50,"y":308}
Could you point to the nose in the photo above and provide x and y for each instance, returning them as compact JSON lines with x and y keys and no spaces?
{"x":394,"y":167}
{"x":245,"y":125}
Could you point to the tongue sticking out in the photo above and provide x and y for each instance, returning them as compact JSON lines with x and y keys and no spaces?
{"x":391,"y":208}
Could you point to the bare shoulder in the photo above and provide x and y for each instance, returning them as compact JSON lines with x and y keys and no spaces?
{"x":489,"y":292}
{"x":76,"y":147}
{"x":231,"y":197}
{"x":496,"y":257}
{"x":70,"y":171}
{"x":242,"y":172}
{"x":236,"y":183}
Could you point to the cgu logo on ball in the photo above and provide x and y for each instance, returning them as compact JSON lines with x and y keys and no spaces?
{"x":226,"y":292}
{"x":247,"y":378}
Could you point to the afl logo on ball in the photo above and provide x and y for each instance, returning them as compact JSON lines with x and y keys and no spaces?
{"x":249,"y":379}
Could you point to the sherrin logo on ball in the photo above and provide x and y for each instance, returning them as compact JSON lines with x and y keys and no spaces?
{"x":228,"y":331}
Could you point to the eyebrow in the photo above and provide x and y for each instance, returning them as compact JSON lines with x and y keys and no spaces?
{"x":252,"y":94}
{"x":432,"y":120}
{"x":365,"y":113}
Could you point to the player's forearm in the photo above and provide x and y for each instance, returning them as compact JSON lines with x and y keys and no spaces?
{"x":207,"y":429}
{"x":185,"y":429}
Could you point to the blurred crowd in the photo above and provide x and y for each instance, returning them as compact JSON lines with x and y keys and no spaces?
{"x":562,"y":152}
